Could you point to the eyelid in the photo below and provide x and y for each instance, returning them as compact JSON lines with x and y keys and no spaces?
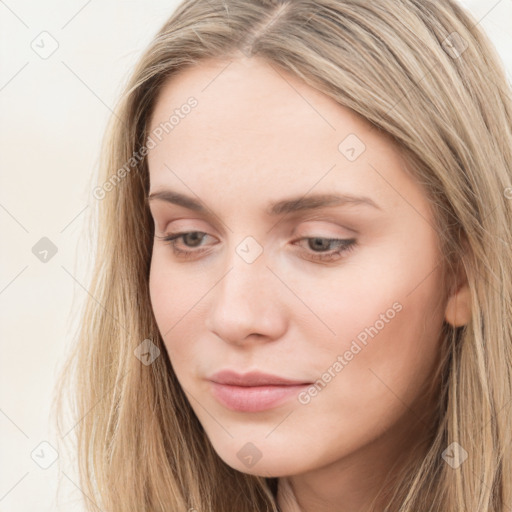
{"x":331,"y":222}
{"x":345,"y":245}
{"x":340,"y":219}
{"x":182,"y":225}
{"x":302,"y":230}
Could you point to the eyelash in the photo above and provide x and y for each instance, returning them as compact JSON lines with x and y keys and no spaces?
{"x":346,"y":245}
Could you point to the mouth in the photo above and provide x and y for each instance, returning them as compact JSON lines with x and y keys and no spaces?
{"x":254,"y":391}
{"x":254,"y":398}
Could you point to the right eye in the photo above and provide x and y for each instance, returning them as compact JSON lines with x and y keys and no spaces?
{"x":172,"y":240}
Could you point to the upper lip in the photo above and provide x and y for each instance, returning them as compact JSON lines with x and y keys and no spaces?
{"x":254,"y":378}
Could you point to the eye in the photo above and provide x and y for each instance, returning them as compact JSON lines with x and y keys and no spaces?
{"x":318,"y":245}
{"x":194,"y":239}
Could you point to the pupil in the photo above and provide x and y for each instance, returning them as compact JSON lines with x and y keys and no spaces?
{"x":194,"y":236}
{"x":320,"y":243}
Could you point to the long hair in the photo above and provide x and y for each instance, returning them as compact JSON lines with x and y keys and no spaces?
{"x":422,"y":73}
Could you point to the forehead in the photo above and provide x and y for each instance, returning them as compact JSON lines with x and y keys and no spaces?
{"x":251,"y":98}
{"x":255,"y":127}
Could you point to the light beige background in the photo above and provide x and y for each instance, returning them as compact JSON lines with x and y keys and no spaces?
{"x":53,"y":113}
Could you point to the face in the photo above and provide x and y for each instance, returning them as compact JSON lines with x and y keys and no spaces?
{"x":270,"y":273}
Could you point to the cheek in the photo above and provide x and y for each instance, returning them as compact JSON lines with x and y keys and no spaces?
{"x":177,"y":306}
{"x":371,"y":374}
{"x":400,"y":272}
{"x":387,"y":314}
{"x":160,"y":292}
{"x":173,"y":288}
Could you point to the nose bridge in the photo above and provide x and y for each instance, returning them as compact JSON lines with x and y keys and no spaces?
{"x":248,"y":274}
{"x":246,"y":283}
{"x":245,"y":300}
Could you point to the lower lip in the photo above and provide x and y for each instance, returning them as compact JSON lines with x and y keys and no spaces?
{"x":254,"y":398}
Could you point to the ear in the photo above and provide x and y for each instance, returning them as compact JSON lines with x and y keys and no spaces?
{"x":458,"y":307}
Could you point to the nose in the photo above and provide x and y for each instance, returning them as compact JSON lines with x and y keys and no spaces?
{"x":245,"y":304}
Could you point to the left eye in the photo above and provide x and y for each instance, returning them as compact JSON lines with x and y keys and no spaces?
{"x":319,"y":246}
{"x":343,"y":245}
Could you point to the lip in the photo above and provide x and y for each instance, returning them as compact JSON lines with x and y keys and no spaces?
{"x":253,"y":391}
{"x":254,"y":378}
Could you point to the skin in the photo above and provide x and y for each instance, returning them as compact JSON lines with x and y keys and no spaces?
{"x":258,"y":135}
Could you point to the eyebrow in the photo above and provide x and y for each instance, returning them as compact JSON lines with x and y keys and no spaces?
{"x":284,"y":206}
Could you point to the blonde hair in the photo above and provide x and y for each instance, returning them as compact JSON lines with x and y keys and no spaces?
{"x":446,"y":103}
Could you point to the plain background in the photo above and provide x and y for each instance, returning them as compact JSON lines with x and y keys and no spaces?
{"x":53,"y":114}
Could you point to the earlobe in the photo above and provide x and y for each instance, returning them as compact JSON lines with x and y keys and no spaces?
{"x":458,"y":307}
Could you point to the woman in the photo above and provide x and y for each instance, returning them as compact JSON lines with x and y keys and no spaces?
{"x":319,"y":191}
